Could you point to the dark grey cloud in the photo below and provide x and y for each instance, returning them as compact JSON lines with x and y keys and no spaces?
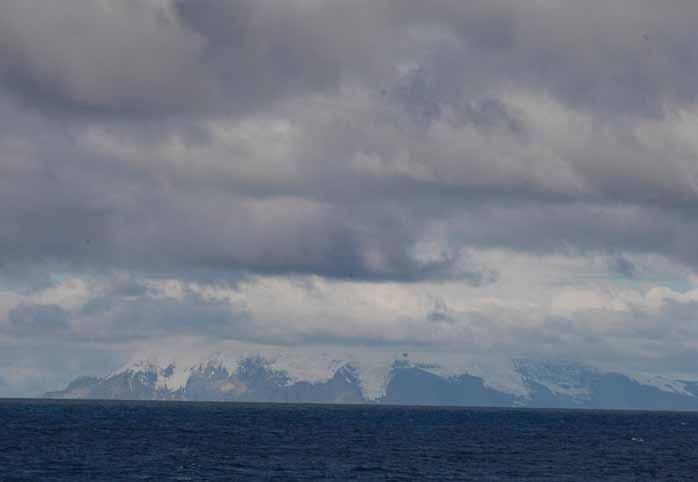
{"x":114,"y":318}
{"x":441,"y":313}
{"x":608,"y":56}
{"x":623,"y":266}
{"x":101,"y":212}
{"x":261,"y":51}
{"x":94,"y":58}
{"x":582,"y":228}
{"x":126,"y":308}
{"x":226,"y":138}
{"x":162,"y":59}
{"x":37,"y":320}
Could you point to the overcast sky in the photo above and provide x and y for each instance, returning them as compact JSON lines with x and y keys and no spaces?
{"x":481,"y":176}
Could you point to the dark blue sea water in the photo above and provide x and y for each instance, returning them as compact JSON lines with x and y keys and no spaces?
{"x":75,"y":441}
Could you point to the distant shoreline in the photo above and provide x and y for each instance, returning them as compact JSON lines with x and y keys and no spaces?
{"x":380,"y":406}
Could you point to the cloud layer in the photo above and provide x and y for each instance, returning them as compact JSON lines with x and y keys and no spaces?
{"x":377,"y":149}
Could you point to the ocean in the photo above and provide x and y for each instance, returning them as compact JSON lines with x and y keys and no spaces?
{"x":42,"y":440}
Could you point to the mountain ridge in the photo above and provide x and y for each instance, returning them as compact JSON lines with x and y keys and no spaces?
{"x":255,"y":378}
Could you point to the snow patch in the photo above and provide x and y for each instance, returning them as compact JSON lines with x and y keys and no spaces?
{"x":560,"y":377}
{"x":662,"y":383}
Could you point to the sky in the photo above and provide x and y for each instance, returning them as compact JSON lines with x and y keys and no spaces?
{"x":482,"y":177}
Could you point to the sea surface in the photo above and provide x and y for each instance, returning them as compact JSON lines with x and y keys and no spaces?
{"x":113,"y":441}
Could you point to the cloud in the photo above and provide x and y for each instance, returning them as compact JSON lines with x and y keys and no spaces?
{"x":153,"y":59}
{"x":302,"y":156}
{"x":593,"y":56}
{"x":38,"y":321}
{"x":99,"y":58}
{"x":122,"y":308}
{"x":542,"y":305}
{"x":623,"y":266}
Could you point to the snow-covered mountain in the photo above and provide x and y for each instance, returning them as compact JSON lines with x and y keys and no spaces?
{"x":283,"y":378}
